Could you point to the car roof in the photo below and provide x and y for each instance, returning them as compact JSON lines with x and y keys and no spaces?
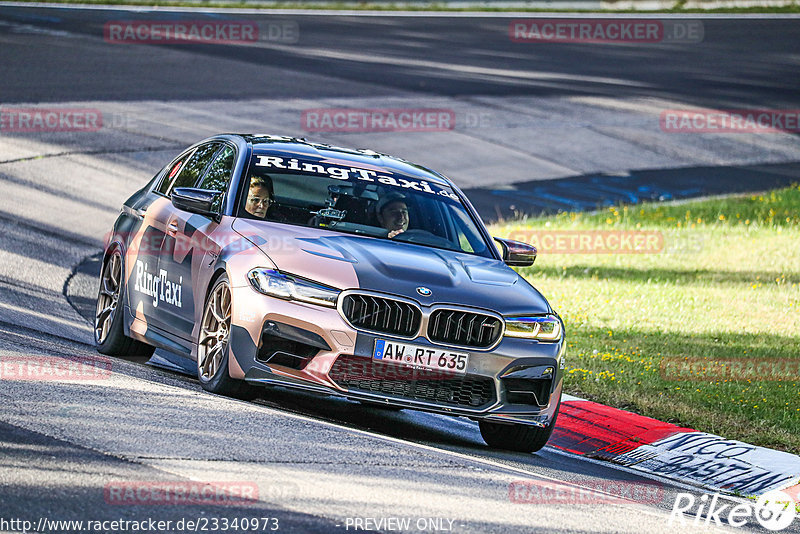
{"x":294,"y":146}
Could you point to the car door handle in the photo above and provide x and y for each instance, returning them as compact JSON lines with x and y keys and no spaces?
{"x":139,"y":213}
{"x":172,"y":228}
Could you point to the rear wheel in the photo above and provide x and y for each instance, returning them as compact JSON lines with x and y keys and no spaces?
{"x":109,"y":333}
{"x":515,"y":437}
{"x":213,"y":347}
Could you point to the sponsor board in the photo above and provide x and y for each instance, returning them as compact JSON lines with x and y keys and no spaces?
{"x":666,"y":450}
{"x":716,"y":462}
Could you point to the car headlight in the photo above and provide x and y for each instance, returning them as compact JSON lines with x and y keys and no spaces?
{"x":288,"y":287}
{"x":547,"y":328}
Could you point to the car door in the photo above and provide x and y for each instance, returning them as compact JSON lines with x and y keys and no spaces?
{"x":189,"y":249}
{"x":144,"y":235}
{"x":162,"y":285}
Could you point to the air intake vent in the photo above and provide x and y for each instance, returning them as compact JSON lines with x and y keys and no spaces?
{"x":455,"y":327}
{"x":364,"y":375}
{"x":380,"y":314}
{"x":524,"y":391}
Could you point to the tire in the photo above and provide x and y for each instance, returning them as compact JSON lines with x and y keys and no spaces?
{"x":213,"y":347}
{"x":109,"y":333}
{"x":515,"y":437}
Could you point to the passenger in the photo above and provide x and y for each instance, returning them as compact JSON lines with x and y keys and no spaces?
{"x":392,"y":213}
{"x":259,"y":196}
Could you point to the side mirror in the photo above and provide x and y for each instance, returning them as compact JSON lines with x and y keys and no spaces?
{"x":517,"y":254}
{"x":200,"y":201}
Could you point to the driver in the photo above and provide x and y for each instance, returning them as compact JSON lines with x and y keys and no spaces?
{"x":392,"y":213}
{"x":259,"y":196}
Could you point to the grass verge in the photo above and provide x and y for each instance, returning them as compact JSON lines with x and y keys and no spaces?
{"x":704,"y":333}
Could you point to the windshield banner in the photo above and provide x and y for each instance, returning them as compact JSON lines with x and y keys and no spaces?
{"x":365,"y":173}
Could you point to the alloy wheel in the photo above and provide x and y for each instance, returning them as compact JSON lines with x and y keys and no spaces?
{"x":214,"y":332}
{"x":108,"y":297}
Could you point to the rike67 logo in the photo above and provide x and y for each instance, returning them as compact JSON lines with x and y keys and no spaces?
{"x":774,"y":510}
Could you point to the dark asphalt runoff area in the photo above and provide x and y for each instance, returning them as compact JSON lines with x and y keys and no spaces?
{"x":741,"y":62}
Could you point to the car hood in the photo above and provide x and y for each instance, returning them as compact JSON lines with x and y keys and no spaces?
{"x":356,"y":262}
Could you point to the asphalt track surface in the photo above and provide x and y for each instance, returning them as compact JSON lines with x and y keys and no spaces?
{"x":315,"y":462}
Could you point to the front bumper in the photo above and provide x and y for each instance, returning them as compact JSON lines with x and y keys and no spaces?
{"x":322,"y":338}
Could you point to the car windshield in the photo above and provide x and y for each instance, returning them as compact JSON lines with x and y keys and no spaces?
{"x":358,"y":199}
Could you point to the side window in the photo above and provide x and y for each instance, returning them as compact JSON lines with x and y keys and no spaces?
{"x":463,"y":241}
{"x":219,"y":173}
{"x":466,"y":233}
{"x":193,"y":168}
{"x":169,"y":177}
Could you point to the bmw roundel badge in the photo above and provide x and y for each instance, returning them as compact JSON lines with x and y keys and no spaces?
{"x":424,"y":291}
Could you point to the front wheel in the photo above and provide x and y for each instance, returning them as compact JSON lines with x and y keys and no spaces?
{"x":213,"y":347}
{"x":516,"y":437}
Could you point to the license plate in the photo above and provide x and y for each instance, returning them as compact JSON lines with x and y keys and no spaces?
{"x":420,"y":356}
